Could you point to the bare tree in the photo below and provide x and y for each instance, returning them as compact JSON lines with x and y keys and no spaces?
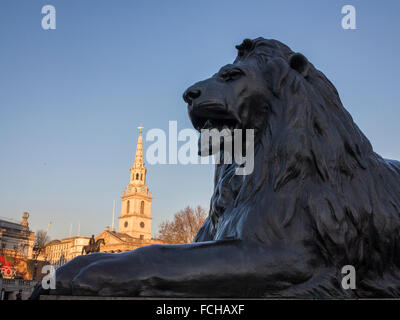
{"x":184,"y":227}
{"x":42,"y":239}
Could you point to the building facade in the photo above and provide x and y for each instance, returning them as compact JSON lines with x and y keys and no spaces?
{"x":16,"y":248}
{"x":58,"y":252}
{"x":16,"y":239}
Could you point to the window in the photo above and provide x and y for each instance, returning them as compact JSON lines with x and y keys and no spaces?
{"x":127,"y":207}
{"x":141,"y":176}
{"x":141,"y":237}
{"x":126,"y":224}
{"x":142,"y":207}
{"x":137,"y":176}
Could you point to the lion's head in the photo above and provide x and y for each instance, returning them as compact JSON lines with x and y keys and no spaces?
{"x":269,"y":87}
{"x":316,"y":180}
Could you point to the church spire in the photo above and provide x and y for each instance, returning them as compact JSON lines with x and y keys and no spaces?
{"x":139,"y":163}
{"x":135,"y":219}
{"x":138,"y":170}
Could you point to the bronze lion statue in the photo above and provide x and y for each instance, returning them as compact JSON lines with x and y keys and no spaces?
{"x":319,"y":198}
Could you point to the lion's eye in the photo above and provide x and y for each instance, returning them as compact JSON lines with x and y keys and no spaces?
{"x":230,"y":75}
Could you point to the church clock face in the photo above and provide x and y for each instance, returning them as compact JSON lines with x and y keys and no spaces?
{"x":143,"y":189}
{"x":142,"y":224}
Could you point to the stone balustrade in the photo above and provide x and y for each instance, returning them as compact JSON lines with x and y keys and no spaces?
{"x":17,"y":284}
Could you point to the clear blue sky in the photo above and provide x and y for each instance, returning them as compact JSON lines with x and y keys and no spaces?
{"x":71,"y":98}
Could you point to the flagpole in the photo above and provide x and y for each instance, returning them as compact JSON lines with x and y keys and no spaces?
{"x":113,"y":217}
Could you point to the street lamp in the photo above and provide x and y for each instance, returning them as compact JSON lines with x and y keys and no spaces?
{"x":36,"y":251}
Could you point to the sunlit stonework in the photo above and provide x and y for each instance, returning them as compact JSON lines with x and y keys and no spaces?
{"x":135,"y":219}
{"x":134,"y":229}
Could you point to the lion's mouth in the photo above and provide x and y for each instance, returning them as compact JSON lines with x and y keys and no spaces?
{"x":210,"y":123}
{"x":207,"y":117}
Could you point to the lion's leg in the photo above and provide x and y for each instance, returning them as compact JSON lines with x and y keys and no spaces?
{"x":209,"y":269}
{"x":68,"y":271}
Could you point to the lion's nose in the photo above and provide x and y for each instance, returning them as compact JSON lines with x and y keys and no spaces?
{"x":190,"y":94}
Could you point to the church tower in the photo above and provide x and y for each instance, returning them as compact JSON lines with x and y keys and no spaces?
{"x":135,"y":219}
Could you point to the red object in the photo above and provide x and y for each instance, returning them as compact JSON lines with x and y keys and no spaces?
{"x":6,"y":268}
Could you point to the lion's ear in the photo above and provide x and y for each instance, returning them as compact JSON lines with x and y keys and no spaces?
{"x":299,"y":63}
{"x":277,"y":70}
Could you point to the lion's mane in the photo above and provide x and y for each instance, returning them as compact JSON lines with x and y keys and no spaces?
{"x":316,"y":181}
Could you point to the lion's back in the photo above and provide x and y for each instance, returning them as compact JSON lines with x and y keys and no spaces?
{"x":394,"y":164}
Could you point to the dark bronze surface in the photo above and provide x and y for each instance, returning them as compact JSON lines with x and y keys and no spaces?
{"x":319,"y":198}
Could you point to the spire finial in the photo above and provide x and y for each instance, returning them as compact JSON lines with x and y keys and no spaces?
{"x":139,"y":150}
